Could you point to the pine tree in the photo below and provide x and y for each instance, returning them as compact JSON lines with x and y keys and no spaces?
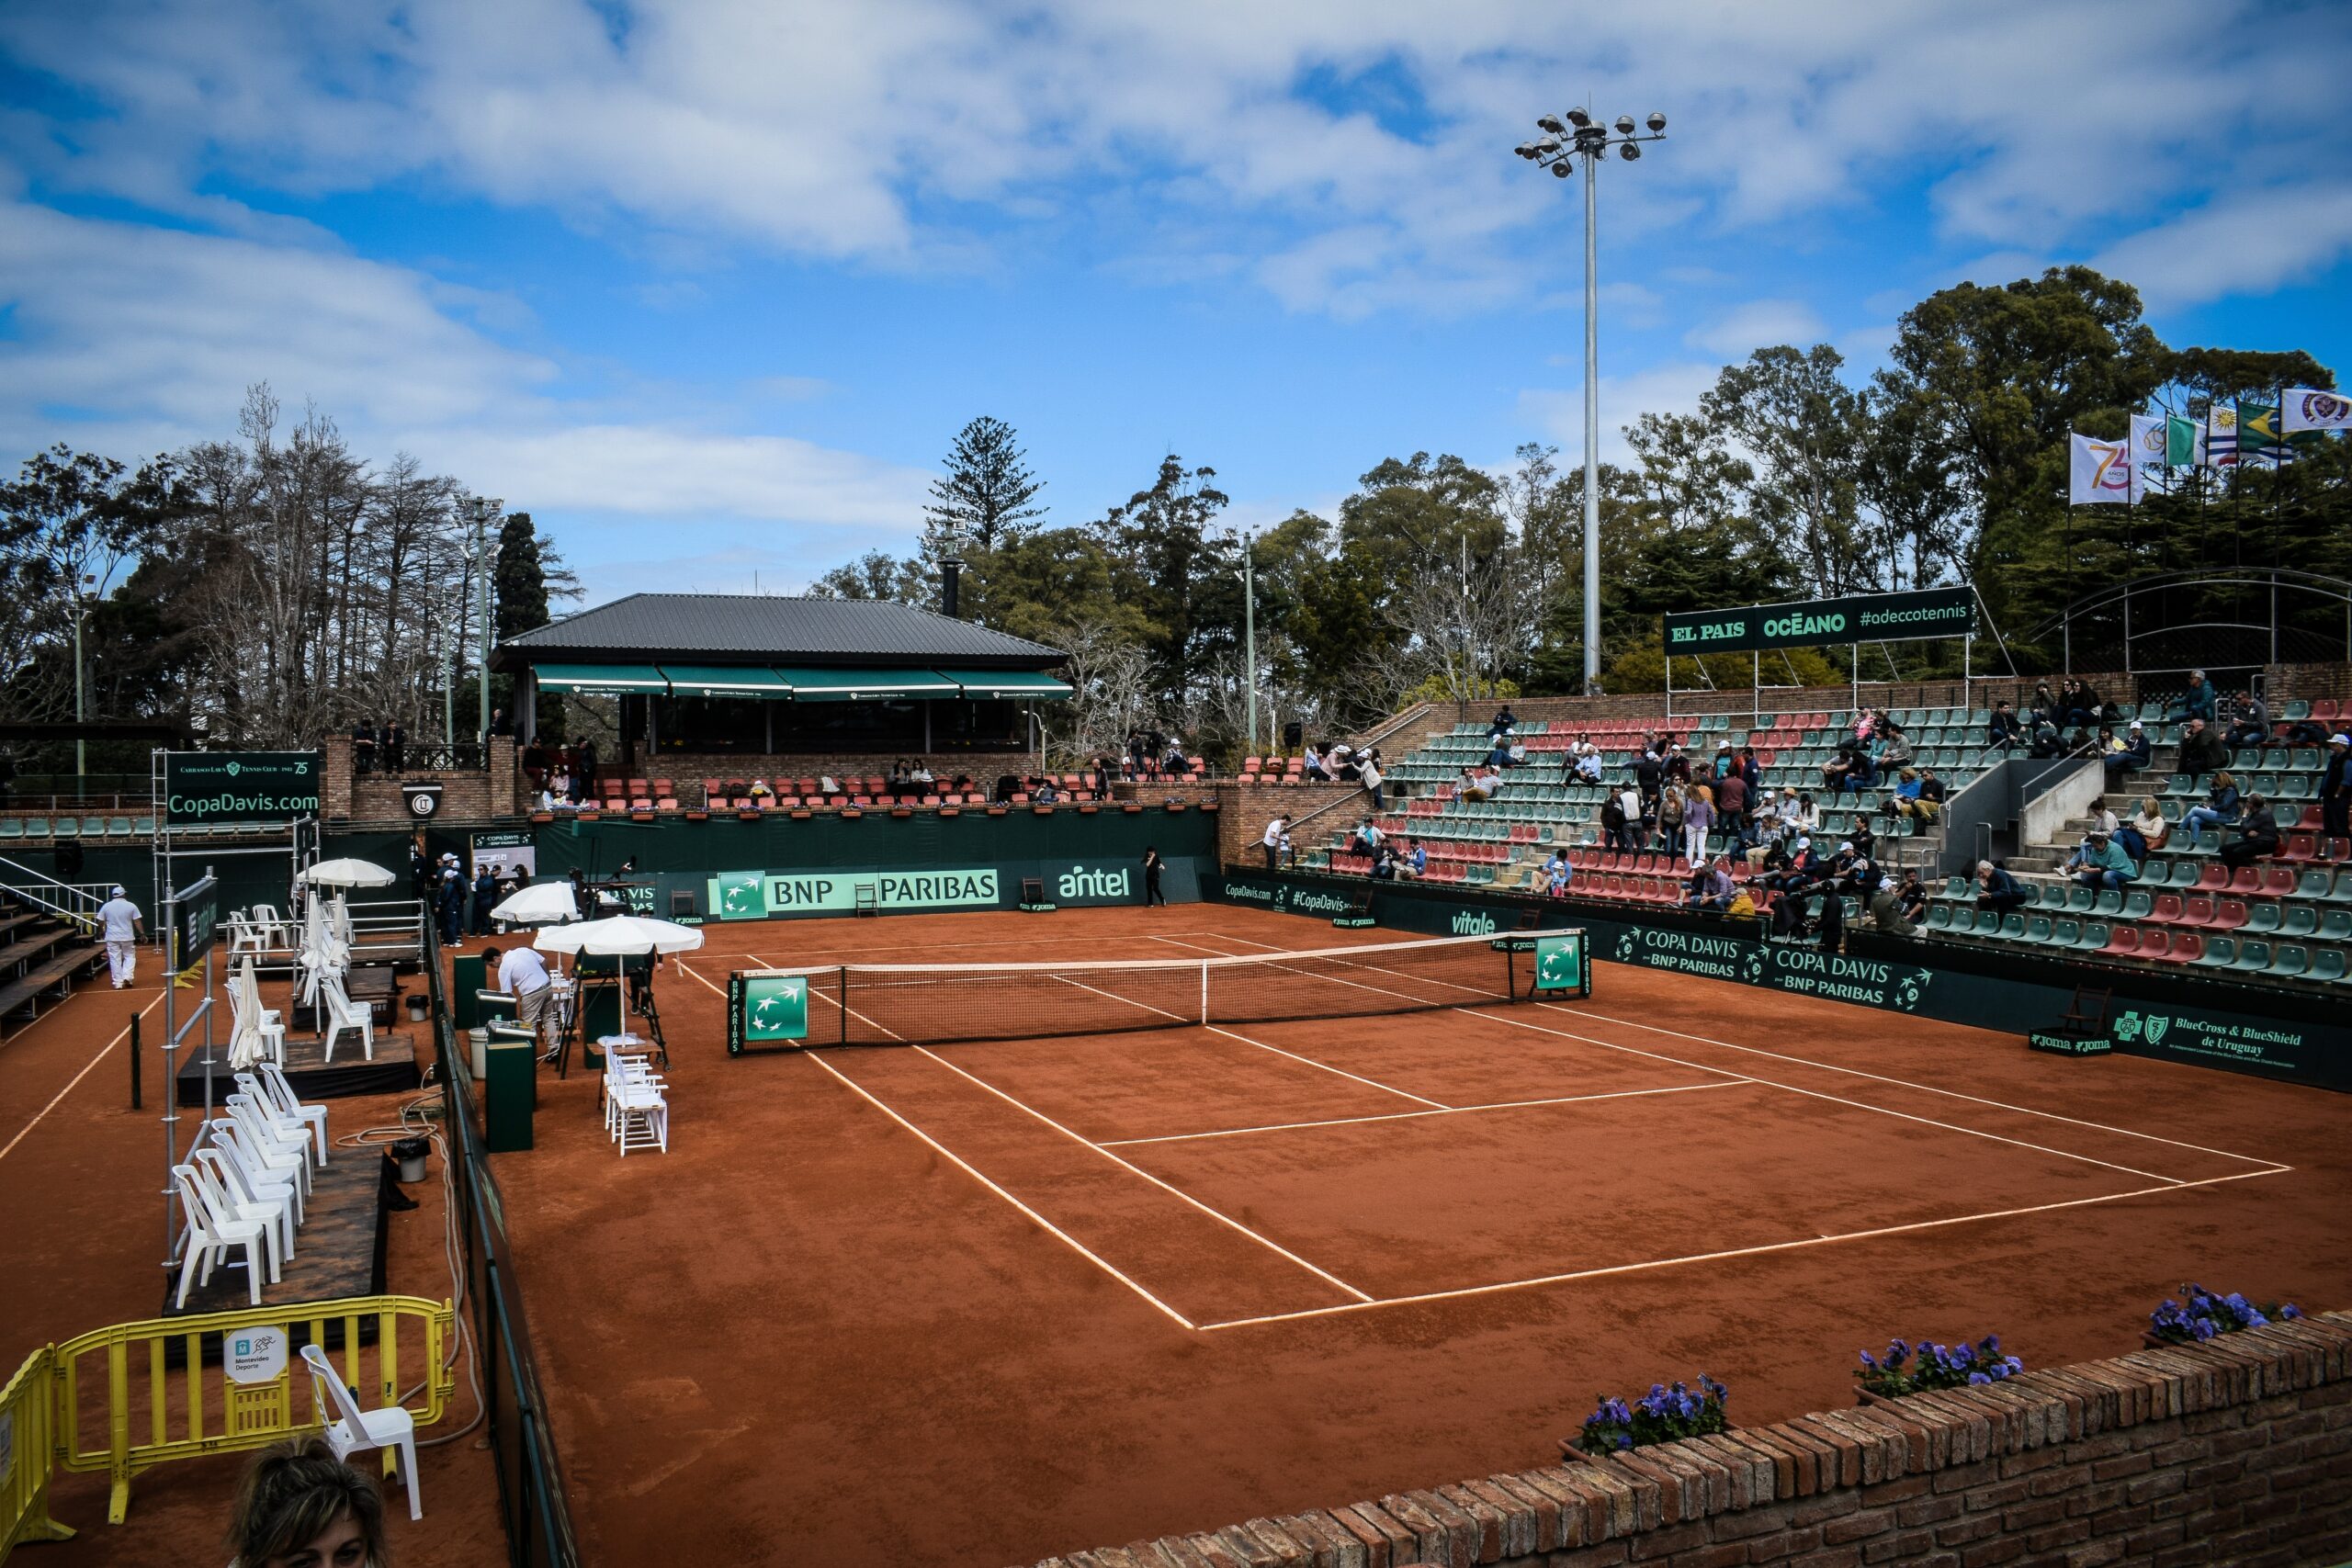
{"x":986,"y":492}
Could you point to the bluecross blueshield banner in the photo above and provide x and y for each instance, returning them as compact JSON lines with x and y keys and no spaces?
{"x":1823,"y":623}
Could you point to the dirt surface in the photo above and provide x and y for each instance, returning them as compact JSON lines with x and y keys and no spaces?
{"x":81,"y":1181}
{"x":943,"y":1306}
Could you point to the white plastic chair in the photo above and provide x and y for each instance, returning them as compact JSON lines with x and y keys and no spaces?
{"x":266,"y":1146}
{"x":244,"y":936}
{"x":343,"y":1014}
{"x":270,"y":924}
{"x":229,"y":1137}
{"x":637,"y":1115}
{"x":273,"y":1081}
{"x":354,"y":1429}
{"x":224,"y":1190}
{"x":210,"y":1236}
{"x":290,"y":1127}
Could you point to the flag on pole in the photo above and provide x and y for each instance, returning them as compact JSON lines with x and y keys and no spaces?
{"x":2310,"y":408}
{"x":2259,"y":439}
{"x":2149,"y":447}
{"x":2222,"y":434}
{"x":2101,"y":473}
{"x":2184,"y":443}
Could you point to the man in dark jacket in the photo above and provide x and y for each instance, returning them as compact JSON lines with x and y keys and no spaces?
{"x":2201,"y":750}
{"x":2335,"y":789}
{"x":485,"y":899}
{"x":2259,"y":831}
{"x":1997,"y":890}
{"x":2005,"y":730}
{"x":2132,"y":758}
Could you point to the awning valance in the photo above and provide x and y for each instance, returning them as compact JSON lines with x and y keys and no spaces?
{"x":601,"y":679}
{"x":725,"y":681}
{"x":982,"y":684}
{"x":864,"y":685}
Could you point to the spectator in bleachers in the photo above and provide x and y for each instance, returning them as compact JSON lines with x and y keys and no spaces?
{"x":1504,"y":722}
{"x":1805,"y":819}
{"x":2105,"y":864}
{"x":2220,"y":805}
{"x":1829,"y":926}
{"x":2201,"y":748}
{"x":1725,"y":761}
{"x":2043,"y":740}
{"x":1886,"y":909}
{"x":2130,"y":754}
{"x":1480,"y":783}
{"x":1366,"y":839}
{"x":1342,"y":763}
{"x":1276,"y":843}
{"x":1730,"y":806}
{"x":1893,"y":753}
{"x":1750,"y":770}
{"x":2046,"y":704}
{"x":1930,"y":802}
{"x":2196,"y":702}
{"x":761,"y":795}
{"x":2004,"y":730}
{"x":1861,"y":774}
{"x":1047,"y":793}
{"x":1587,"y":765}
{"x":2305,"y":732}
{"x":2102,"y":816}
{"x":1864,"y":838}
{"x":1709,"y":888}
{"x":2150,"y":824}
{"x":1669,"y":818}
{"x":1997,"y":890}
{"x":1173,"y":763}
{"x":2249,"y":722}
{"x":1499,"y":751}
{"x":1558,"y":874}
{"x":2078,"y":704}
{"x":1368,"y":775}
{"x":1632,"y":820}
{"x":1676,"y":765}
{"x":1416,"y":864}
{"x":1913,"y":895}
{"x":1312,"y":766}
{"x":2335,"y":789}
{"x":1649,"y":774}
{"x":1906,"y":795}
{"x":1383,"y":862}
{"x":1803,"y":869}
{"x":2257,"y":835}
{"x":1698,"y":821}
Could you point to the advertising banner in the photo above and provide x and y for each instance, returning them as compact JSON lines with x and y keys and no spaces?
{"x":510,"y":856}
{"x":837,"y":890}
{"x":202,"y":787}
{"x":1824,"y":622}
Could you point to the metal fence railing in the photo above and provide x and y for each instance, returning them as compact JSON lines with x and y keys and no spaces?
{"x":531,"y":1498}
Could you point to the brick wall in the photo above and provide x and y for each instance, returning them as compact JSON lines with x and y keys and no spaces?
{"x":468,"y":795}
{"x":2237,"y":1451}
{"x":687,"y":770}
{"x":1243,"y":811}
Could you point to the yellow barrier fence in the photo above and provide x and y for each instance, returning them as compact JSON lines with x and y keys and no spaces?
{"x":218,"y":1382}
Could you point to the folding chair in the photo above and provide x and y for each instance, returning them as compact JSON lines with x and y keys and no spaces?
{"x":354,"y":1429}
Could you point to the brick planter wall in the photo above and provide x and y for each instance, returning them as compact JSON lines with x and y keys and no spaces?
{"x":467,"y":795}
{"x":2236,"y":1451}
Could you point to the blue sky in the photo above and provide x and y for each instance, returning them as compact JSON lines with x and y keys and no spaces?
{"x":708,"y":287}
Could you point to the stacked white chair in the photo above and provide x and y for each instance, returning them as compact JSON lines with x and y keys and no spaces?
{"x":343,"y":1013}
{"x":211,"y":1236}
{"x":267,"y":1150}
{"x":226,"y":1192}
{"x":636,"y":1113}
{"x":278,"y":1092}
{"x":353,"y":1429}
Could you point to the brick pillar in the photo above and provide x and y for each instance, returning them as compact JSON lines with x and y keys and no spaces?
{"x":335,"y":779}
{"x":504,"y":800}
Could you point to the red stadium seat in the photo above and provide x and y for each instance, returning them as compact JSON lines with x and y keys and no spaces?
{"x":2197,"y":909}
{"x":2214,"y":877}
{"x":2187,"y":947}
{"x":2247,"y":879}
{"x":2154,"y":941}
{"x":2300,"y":846}
{"x":2122,"y":942}
{"x":2229,"y":914}
{"x":2278,"y":881}
{"x":2169,"y":909}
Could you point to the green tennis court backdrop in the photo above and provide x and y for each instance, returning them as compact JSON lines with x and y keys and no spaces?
{"x":777,"y":868}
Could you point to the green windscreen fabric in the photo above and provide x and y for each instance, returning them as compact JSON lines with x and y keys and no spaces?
{"x":982,"y":684}
{"x":725,"y":681}
{"x":864,"y":685}
{"x":601,"y":679}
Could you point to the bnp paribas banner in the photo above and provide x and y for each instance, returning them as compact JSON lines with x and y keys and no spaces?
{"x":778,"y":895}
{"x":1823,"y":623}
{"x":1782,"y":967}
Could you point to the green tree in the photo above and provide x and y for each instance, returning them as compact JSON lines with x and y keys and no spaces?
{"x":1183,"y":578}
{"x":876,"y":574}
{"x":987,"y":494}
{"x":1804,"y":426}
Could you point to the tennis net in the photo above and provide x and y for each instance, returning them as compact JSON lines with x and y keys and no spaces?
{"x":932,"y":1004}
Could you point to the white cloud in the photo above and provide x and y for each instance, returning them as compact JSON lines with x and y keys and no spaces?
{"x":2244,"y":244}
{"x":1760,"y":324}
{"x":1559,"y":412}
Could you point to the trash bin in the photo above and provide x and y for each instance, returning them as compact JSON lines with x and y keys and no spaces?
{"x":479,"y":1038}
{"x":410,"y":1152}
{"x":419,"y":1005}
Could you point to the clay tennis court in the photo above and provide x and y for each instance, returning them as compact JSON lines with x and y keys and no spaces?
{"x":985,"y":1301}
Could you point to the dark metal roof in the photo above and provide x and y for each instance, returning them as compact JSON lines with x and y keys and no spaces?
{"x":723,"y":628}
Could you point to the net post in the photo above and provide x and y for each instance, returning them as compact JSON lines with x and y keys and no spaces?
{"x":841,"y":985}
{"x":1205,"y":992}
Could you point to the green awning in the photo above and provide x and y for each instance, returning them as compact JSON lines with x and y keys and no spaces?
{"x":726,"y":680}
{"x":601,"y":679}
{"x":864,"y":685}
{"x":980,"y":683}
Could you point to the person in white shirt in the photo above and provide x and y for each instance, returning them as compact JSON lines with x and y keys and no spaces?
{"x":523,"y":975}
{"x":1368,"y":773}
{"x":1276,"y":840}
{"x":122,"y":925}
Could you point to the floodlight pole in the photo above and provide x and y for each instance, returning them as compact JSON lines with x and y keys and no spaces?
{"x":1570,"y":136}
{"x":483,"y":509}
{"x":1249,"y":627}
{"x":81,"y":714}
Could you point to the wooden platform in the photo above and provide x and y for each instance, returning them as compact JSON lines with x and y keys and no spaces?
{"x":375,"y":985}
{"x":338,"y":1249}
{"x":312,"y":1078}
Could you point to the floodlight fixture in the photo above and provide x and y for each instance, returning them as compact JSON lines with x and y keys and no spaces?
{"x":1578,"y":118}
{"x":1562,"y":168}
{"x":1624,"y":125}
{"x":1628,"y":150}
{"x":1550,"y":122}
{"x":1657,"y":121}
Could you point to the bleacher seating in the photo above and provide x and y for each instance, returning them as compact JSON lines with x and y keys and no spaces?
{"x":42,"y":958}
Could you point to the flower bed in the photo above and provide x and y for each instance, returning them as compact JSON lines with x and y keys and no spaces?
{"x":1658,"y":1417}
{"x":1908,"y":1368}
{"x":2207,"y":1316}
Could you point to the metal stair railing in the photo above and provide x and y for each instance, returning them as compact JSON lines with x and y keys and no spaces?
{"x":76,"y":902}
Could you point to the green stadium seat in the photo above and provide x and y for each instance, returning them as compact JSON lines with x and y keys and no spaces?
{"x":2262,"y":919}
{"x":12,"y":827}
{"x":2039,"y":930}
{"x":144,"y":826}
{"x":2340,"y":894}
{"x":1939,"y":916}
{"x":38,"y":828}
{"x":2065,"y":931}
{"x":2327,"y":964}
{"x":2110,"y":902}
{"x":1988,"y":923}
{"x":2254,"y":957}
{"x":117,"y":827}
{"x":2081,"y":899}
{"x":2138,"y":905}
{"x":2298,"y":709}
{"x":2334,"y":925}
{"x":2093,"y":936}
{"x":1955,"y":887}
{"x":2292,"y":962}
{"x":94,"y":827}
{"x":2012,"y":928}
{"x":2297,"y":921}
{"x":2221,"y":952}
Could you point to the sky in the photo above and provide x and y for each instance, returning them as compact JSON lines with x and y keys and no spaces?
{"x":707,"y":287}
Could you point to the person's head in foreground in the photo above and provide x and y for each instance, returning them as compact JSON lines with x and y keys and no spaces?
{"x":299,"y":1507}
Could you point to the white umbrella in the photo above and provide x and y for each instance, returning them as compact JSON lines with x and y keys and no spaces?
{"x":618,"y":933}
{"x":347,"y":874}
{"x":541,"y":904}
{"x":244,"y":1021}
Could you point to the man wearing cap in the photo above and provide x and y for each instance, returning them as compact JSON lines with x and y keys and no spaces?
{"x":2131,"y":756}
{"x":2335,"y":789}
{"x":120,"y":920}
{"x":1886,"y":909}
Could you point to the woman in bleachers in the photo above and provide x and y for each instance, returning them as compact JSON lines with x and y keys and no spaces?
{"x":1670,"y":815}
{"x":2220,"y":806}
{"x":2150,"y":824}
{"x":1698,"y":819}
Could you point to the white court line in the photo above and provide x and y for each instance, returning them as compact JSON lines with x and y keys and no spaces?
{"x":103,"y":1052}
{"x":1857,"y":1104}
{"x":2270,"y":1166}
{"x":1342,"y":1072}
{"x":1716,"y":1257}
{"x":1905,"y":1083}
{"x":1271,"y":1245}
{"x":964,"y":1166}
{"x":1410,"y":1115}
{"x":1055,"y":1231}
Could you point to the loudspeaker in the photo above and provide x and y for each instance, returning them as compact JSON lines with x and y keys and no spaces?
{"x":1294,"y":736}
